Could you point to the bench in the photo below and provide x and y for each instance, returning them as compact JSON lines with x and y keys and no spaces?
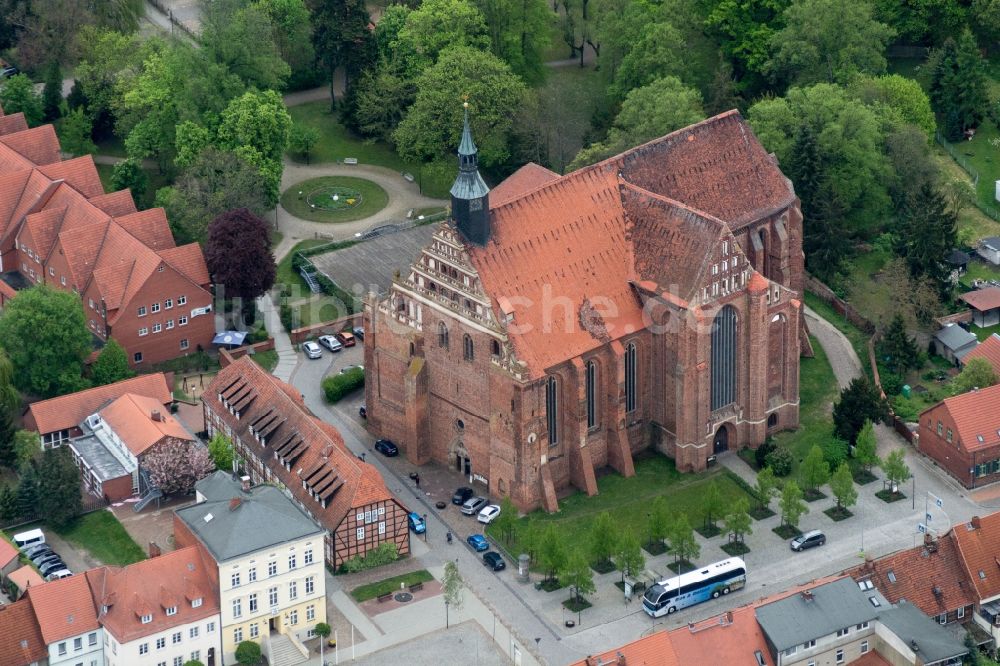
{"x":408,"y":176}
{"x":385,"y":597}
{"x":416,"y":587}
{"x":350,"y":160}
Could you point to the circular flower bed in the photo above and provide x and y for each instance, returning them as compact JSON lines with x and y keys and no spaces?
{"x":334,"y":199}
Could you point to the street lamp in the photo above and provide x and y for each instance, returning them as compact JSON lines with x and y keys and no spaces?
{"x":425,"y":528}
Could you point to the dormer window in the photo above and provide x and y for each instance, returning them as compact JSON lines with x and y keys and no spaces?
{"x":196,"y":603}
{"x":146,"y":619}
{"x":172,"y":610}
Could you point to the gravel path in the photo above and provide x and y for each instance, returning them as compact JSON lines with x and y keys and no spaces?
{"x":843,"y":359}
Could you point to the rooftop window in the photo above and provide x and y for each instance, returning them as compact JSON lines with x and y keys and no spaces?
{"x":146,"y":619}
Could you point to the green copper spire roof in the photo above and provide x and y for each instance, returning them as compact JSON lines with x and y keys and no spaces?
{"x":467,"y":145}
{"x":468,"y":184}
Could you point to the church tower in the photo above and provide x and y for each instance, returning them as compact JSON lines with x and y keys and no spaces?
{"x":470,"y":205}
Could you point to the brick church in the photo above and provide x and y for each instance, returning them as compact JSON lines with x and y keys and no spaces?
{"x":557,"y":325}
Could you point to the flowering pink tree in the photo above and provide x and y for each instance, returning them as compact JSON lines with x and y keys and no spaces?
{"x":176,"y":465}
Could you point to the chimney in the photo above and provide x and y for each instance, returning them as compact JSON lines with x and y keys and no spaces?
{"x":914,"y":646}
{"x":975,"y":522}
{"x":154,"y":550}
{"x":155,"y":415}
{"x":621,"y":659}
{"x":729,"y":617}
{"x":245,"y":483}
{"x":235,"y":503}
{"x":869,"y":563}
{"x":807,"y":595}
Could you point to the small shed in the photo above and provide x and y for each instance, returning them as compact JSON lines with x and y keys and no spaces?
{"x":24,"y":578}
{"x":958,"y":260}
{"x":985,"y":304}
{"x":989,"y":249}
{"x":953,"y":342}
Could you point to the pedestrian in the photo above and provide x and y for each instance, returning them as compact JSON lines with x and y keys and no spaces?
{"x":417,"y":480}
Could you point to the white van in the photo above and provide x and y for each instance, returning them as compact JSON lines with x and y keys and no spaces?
{"x":29,"y":538}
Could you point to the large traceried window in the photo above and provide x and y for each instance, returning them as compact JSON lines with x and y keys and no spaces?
{"x":724,"y":331}
{"x":592,"y":395}
{"x":630,"y":375}
{"x":552,"y":409}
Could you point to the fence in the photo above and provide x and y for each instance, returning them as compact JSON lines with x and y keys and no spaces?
{"x":961,"y":161}
{"x":89,"y":505}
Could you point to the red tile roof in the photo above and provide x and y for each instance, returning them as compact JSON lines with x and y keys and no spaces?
{"x":115,"y":204}
{"x":21,"y":641}
{"x":189,"y":261}
{"x":131,"y":417}
{"x":68,"y":411}
{"x":529,"y":177}
{"x":988,"y":349}
{"x":63,"y":607}
{"x":314,"y":449}
{"x":654,"y":650}
{"x":979,"y":547}
{"x":150,"y":227}
{"x":80,"y":173}
{"x":7,"y":552}
{"x":150,"y":587}
{"x":983,"y":299}
{"x":15,"y":122}
{"x":872,"y":658}
{"x":38,"y":144}
{"x":976,"y":415}
{"x":25,"y":577}
{"x":930,"y":577}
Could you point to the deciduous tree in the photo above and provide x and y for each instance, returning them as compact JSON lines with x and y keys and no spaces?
{"x":745,"y":29}
{"x":341,"y":38}
{"x":220,"y":449}
{"x":59,"y":492}
{"x":111,"y":365}
{"x":504,"y":524}
{"x":792,"y":506}
{"x":248,"y":653}
{"x":977,"y":373}
{"x":713,"y":504}
{"x":766,"y":487}
{"x":901,"y":94}
{"x":518,"y":33}
{"x":551,"y":552}
{"x":628,"y":555}
{"x":682,"y":540}
{"x":176,"y":465}
{"x":895,"y":467}
{"x":603,"y":539}
{"x":18,"y":95}
{"x":815,"y":470}
{"x":45,"y":335}
{"x":578,"y":575}
{"x":842,"y":486}
{"x":242,"y":37}
{"x":27,"y":447}
{"x":659,"y":520}
{"x":10,"y":399}
{"x":866,"y":447}
{"x":738,"y":521}
{"x":129,"y":175}
{"x":75,"y":132}
{"x":452,"y":585}
{"x":238,"y":254}
{"x":302,"y":139}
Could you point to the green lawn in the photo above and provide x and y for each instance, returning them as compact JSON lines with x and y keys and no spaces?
{"x":301,"y":199}
{"x":858,"y":339}
{"x":266,"y":359}
{"x":817,"y":392}
{"x":101,"y":535}
{"x":628,"y":502}
{"x":373,"y":590}
{"x":984,"y":158}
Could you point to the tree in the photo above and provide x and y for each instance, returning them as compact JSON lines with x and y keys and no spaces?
{"x":452,"y":584}
{"x":738,"y":521}
{"x":551,"y":552}
{"x":654,"y":55}
{"x":895,"y":468}
{"x":9,"y":397}
{"x":977,"y":373}
{"x":59,"y":491}
{"x":682,"y":540}
{"x":381,"y":100}
{"x":27,"y":447}
{"x":518,"y":33}
{"x":628,"y":555}
{"x":302,"y":139}
{"x":292,"y":33}
{"x":220,"y":449}
{"x":176,"y":465}
{"x":909,"y":155}
{"x":927,"y":236}
{"x":745,"y":29}
{"x":248,"y":653}
{"x":194,"y":662}
{"x":17,"y":95}
{"x":577,"y":574}
{"x":829,"y":41}
{"x":216,"y":182}
{"x":504,"y":524}
{"x":8,"y":450}
{"x":52,"y":96}
{"x":959,"y":85}
{"x":866,"y":447}
{"x":242,"y":38}
{"x":713,"y":504}
{"x":780,"y":461}
{"x":899,"y":351}
{"x":834,"y":451}
{"x":323,"y":630}
{"x":859,"y":402}
{"x":129,"y":175}
{"x":238,"y":254}
{"x":341,"y":39}
{"x":928,"y":21}
{"x":437,"y":25}
{"x":111,"y":365}
{"x":901,"y":94}
{"x":8,"y":503}
{"x":842,"y":486}
{"x":659,"y":520}
{"x":647,"y":113}
{"x":258,"y":119}
{"x":767,"y":487}
{"x":433,"y":125}
{"x":815,"y":470}
{"x":45,"y":334}
{"x":603,"y":539}
{"x":792,"y":506}
{"x":74,"y":133}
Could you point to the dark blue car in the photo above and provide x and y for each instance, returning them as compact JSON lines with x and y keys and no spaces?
{"x":478,"y":543}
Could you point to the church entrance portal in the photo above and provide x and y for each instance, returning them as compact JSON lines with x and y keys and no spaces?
{"x":721,"y":442}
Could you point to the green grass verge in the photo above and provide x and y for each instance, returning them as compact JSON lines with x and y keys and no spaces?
{"x":857,"y":338}
{"x":817,"y":392}
{"x":627,"y":500}
{"x":984,"y":158}
{"x":266,"y":359}
{"x":100,"y":534}
{"x":374,"y":590}
{"x":285,"y":273}
{"x":296,"y":199}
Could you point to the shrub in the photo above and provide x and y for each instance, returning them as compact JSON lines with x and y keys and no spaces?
{"x":336,"y":387}
{"x":780,"y":461}
{"x":892,"y":383}
{"x":248,"y":653}
{"x":760,"y":455}
{"x":385,"y":554}
{"x":834,"y":451}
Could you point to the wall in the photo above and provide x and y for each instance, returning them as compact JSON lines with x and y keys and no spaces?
{"x":227,"y":356}
{"x":127,"y":654}
{"x":952,"y":456}
{"x":325,"y":328}
{"x":86,"y":655}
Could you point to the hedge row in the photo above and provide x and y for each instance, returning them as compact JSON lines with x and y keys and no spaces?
{"x":336,"y":387}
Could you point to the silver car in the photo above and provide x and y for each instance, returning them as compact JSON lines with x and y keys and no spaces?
{"x":312,"y":350}
{"x":330,"y":342}
{"x":473,"y":506}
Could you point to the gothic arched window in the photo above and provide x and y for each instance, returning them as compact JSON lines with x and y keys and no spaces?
{"x":723,"y":369}
{"x":468,"y":352}
{"x":442,"y":335}
{"x":630,"y":376}
{"x":552,"y":409}
{"x":591,"y":394}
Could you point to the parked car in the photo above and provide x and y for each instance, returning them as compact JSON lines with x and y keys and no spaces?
{"x":386,"y":447}
{"x":348,"y":368}
{"x":416,"y":522}
{"x":25,"y":540}
{"x":52,"y":566}
{"x":359,"y":333}
{"x":9,"y":71}
{"x":488,"y":514}
{"x":462,"y":495}
{"x":35,"y":548}
{"x":41,"y":554}
{"x":330,"y":342}
{"x":494,"y":561}
{"x":808,"y":540}
{"x":478,"y":543}
{"x":43,"y":563}
{"x":346,"y":338}
{"x":363,"y":412}
{"x":312,"y":350}
{"x":474,"y":505}
{"x":56,"y":575}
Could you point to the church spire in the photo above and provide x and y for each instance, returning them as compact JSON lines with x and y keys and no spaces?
{"x":469,"y":194}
